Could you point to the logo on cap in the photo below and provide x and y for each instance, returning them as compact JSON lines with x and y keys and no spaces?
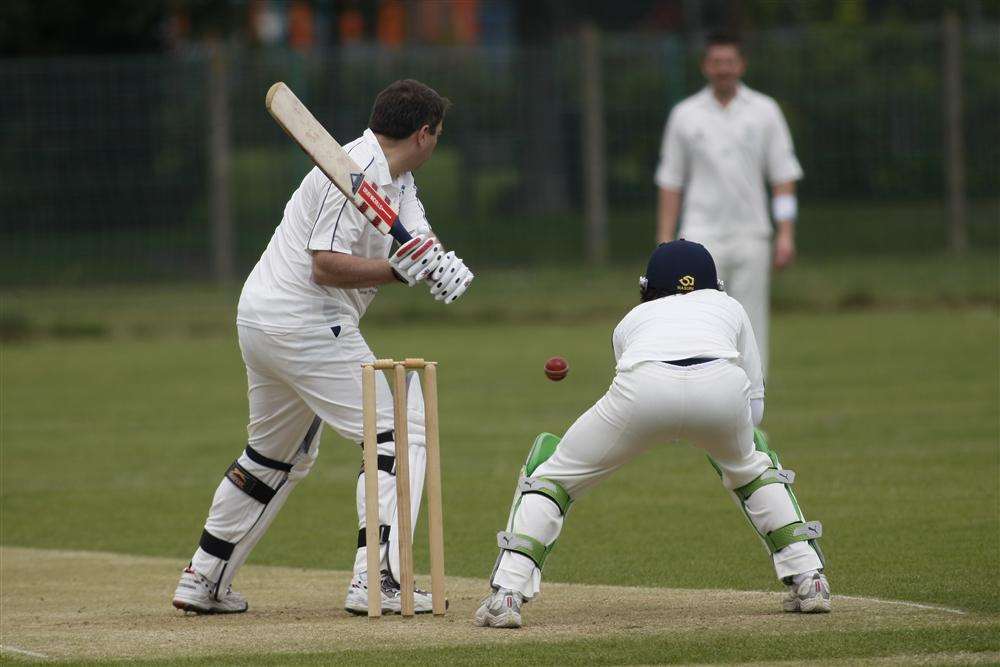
{"x":685,"y":284}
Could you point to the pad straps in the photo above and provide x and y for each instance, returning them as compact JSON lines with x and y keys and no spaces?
{"x":546,"y":487}
{"x":798,"y":531}
{"x":215,"y":546}
{"x":383,"y":535}
{"x":386,"y":464}
{"x":262,"y":460}
{"x":246,"y":482}
{"x":524,"y":545}
{"x":769,"y":476}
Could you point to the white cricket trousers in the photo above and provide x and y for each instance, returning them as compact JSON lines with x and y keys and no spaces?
{"x":297,"y":380}
{"x":655,"y":404}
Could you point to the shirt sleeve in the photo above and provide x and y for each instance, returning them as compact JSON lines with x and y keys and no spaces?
{"x":336,"y":223}
{"x":749,"y":359}
{"x":782,"y":165}
{"x":412,"y":214}
{"x":673,"y":157}
{"x":617,"y":344}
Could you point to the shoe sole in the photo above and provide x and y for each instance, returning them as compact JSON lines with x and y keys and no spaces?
{"x":363,"y":611}
{"x":814,"y":607}
{"x":202,"y":611}
{"x":389,"y":612}
{"x":507,"y":621}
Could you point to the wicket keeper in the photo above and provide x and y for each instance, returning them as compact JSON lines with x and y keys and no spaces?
{"x":687,"y":369}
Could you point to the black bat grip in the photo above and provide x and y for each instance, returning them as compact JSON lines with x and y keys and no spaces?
{"x":398,"y":231}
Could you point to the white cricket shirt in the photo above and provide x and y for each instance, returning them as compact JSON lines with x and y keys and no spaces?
{"x":280,"y":294}
{"x":702,"y":323}
{"x":720,"y":156}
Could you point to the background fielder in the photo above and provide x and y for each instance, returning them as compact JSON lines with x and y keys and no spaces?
{"x":298,"y":322}
{"x":687,"y":369}
{"x":719,"y":147}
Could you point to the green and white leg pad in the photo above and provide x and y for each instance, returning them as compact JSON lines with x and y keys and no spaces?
{"x":533,"y":525}
{"x":773,"y":512}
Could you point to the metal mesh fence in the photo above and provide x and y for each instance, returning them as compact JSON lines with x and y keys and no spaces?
{"x":106,"y":163}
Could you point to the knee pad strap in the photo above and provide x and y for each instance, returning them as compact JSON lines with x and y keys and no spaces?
{"x":260,"y":459}
{"x":769,"y":476}
{"x":383,"y":536}
{"x":548,"y":488}
{"x":386,"y":463}
{"x":249,"y":484}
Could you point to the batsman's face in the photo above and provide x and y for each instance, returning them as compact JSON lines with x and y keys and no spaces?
{"x":723,"y":66}
{"x":427,"y":142}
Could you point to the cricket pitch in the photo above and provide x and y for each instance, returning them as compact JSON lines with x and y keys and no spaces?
{"x":74,"y":605}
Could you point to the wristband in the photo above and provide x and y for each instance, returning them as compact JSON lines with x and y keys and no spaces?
{"x":784,"y":207}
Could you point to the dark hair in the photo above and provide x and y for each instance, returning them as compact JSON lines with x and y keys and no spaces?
{"x":723,"y":39}
{"x":406,"y":106}
{"x":648,"y":293}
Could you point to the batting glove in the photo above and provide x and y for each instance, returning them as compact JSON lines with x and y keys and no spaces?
{"x":450,"y":279}
{"x":415,"y":259}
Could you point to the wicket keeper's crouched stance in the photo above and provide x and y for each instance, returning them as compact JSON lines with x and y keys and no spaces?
{"x":298,"y":331}
{"x":687,"y":368}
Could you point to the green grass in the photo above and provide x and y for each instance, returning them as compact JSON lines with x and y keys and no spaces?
{"x":484,"y":227}
{"x":538,"y":295}
{"x":885,"y":406}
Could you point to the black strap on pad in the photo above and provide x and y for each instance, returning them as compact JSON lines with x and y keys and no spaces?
{"x":246,"y":482}
{"x":383,"y":536}
{"x":213,"y":546}
{"x":262,"y":460}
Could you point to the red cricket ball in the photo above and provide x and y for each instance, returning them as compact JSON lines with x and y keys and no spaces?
{"x":556,"y":368}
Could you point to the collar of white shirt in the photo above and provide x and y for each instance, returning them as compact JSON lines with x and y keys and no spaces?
{"x":381,"y":165}
{"x":741,"y":97}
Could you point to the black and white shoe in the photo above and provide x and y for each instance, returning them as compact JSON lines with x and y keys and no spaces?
{"x":194,"y":594}
{"x":357,"y":596}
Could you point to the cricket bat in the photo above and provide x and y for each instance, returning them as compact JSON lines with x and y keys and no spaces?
{"x":333,"y":160}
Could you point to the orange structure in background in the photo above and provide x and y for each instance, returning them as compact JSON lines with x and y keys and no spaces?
{"x":301,"y":31}
{"x":390,"y":27}
{"x":351,"y":25}
{"x":465,"y":21}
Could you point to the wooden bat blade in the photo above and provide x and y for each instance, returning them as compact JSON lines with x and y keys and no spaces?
{"x":299,"y":123}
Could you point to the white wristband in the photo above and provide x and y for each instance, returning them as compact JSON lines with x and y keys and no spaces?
{"x":784,"y":207}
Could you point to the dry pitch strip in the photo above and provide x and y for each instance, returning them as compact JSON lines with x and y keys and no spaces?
{"x":63,"y":605}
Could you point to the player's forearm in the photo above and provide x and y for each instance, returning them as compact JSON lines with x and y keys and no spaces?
{"x":667,"y":211}
{"x":336,"y":269}
{"x":786,"y":228}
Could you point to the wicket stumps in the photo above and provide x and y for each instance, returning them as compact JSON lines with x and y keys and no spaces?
{"x":433,"y":477}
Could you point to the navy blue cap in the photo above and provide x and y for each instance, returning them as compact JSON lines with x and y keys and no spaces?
{"x":680,"y":267}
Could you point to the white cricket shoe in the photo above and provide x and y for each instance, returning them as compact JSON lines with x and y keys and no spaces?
{"x":194,"y":593}
{"x":357,"y":596}
{"x":809,"y":596}
{"x":500,"y":609}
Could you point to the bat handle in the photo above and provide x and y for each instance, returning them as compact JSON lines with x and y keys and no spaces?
{"x":399,"y":232}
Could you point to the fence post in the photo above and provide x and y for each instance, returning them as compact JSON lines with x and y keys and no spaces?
{"x":954,"y":150}
{"x":594,"y":155}
{"x":221,"y":222}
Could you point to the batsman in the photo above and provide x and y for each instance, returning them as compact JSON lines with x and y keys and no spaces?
{"x":688,"y":368}
{"x":298,"y":323}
